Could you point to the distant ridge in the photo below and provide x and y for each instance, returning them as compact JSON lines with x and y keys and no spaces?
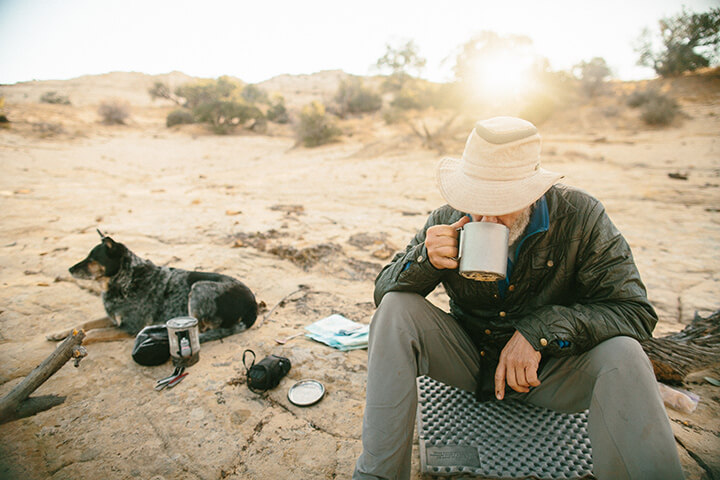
{"x":133,"y":87}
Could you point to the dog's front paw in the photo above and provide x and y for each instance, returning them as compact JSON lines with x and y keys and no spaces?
{"x":56,"y":337}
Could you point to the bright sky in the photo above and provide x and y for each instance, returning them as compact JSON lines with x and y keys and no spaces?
{"x":255,"y":40}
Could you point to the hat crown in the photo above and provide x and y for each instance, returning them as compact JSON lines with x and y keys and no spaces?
{"x":499,"y":171}
{"x":502,"y":149}
{"x":499,"y":130}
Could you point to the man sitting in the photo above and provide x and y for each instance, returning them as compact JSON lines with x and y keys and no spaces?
{"x":561,"y":329}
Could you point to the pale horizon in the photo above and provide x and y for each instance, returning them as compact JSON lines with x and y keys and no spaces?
{"x":58,"y":40}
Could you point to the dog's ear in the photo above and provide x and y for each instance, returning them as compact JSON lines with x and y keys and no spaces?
{"x":113,"y":248}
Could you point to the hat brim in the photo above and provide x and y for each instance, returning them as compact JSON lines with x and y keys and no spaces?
{"x":487,"y":197}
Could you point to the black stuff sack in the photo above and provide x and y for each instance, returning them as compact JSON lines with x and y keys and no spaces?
{"x":152,"y":346}
{"x":267,"y":373}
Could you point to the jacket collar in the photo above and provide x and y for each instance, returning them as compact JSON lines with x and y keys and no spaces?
{"x":558,"y":206}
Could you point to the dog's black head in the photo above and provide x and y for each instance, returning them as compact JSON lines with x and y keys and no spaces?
{"x":103,"y":261}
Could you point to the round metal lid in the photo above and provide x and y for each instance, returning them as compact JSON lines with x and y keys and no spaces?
{"x":181,"y":322}
{"x":306,"y":392}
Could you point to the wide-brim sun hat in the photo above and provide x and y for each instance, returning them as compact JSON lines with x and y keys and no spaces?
{"x":499,"y":172}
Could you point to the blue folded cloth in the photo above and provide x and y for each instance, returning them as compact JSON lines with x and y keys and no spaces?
{"x":339,"y":332}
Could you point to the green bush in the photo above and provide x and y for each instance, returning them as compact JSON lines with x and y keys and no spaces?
{"x":407,"y":98}
{"x":114,"y":112}
{"x":179,"y":116}
{"x":641,"y":97}
{"x":54,"y":98}
{"x":315,"y":127}
{"x":656,"y":108}
{"x":353,"y":97}
{"x":225,"y":115}
{"x":254,"y":94}
{"x":660,"y":110}
{"x":277,"y":112}
{"x":207,"y":91}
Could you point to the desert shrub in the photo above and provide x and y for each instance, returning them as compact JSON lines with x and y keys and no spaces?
{"x":315,"y":127}
{"x":4,"y":121}
{"x":207,"y":91}
{"x":162,"y":90}
{"x":225,"y":115}
{"x":179,"y":116}
{"x":656,"y":108}
{"x":47,"y":129}
{"x":407,"y":98}
{"x":353,"y":97}
{"x":659,"y":110}
{"x":114,"y":112}
{"x":277,"y":112}
{"x":641,"y":97}
{"x":417,"y":94}
{"x":54,"y":98}
{"x":254,"y":94}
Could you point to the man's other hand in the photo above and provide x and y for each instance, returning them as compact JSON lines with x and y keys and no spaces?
{"x":441,"y":242}
{"x":518,"y":366}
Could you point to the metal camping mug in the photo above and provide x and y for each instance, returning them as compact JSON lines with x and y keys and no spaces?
{"x":483,"y":251}
{"x":184,"y":341}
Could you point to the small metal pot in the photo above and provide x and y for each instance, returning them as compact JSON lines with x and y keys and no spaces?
{"x":184,"y":339}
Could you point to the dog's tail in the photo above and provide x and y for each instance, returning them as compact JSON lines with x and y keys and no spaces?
{"x":218,"y":333}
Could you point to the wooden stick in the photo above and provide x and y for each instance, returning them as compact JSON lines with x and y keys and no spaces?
{"x":267,"y":315}
{"x":11,"y":405}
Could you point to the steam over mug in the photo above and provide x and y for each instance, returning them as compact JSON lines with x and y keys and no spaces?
{"x":483,"y":251}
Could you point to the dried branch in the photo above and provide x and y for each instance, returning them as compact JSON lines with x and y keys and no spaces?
{"x":694,"y":348}
{"x":16,"y":404}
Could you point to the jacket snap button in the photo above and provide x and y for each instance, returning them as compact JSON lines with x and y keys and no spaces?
{"x":420,"y":259}
{"x":502,"y":314}
{"x":487,"y":331}
{"x":511,"y":288}
{"x":482,"y":353}
{"x":543,"y":342}
{"x":550,"y":263}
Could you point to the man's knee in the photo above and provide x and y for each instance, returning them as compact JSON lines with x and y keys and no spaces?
{"x":405,"y":311}
{"x":623,"y":353}
{"x":400,"y":301}
{"x":397,"y":305}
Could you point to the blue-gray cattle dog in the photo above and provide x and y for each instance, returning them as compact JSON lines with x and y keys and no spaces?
{"x":137,"y":293}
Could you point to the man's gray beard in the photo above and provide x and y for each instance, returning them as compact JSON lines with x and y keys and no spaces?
{"x":518,"y":228}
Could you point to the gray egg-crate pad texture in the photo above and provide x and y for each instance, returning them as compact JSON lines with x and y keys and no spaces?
{"x":508,"y":439}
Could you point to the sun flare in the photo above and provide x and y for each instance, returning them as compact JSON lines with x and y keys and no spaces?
{"x":503,"y":74}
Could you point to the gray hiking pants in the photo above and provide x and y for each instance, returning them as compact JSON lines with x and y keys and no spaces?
{"x":628,"y":426}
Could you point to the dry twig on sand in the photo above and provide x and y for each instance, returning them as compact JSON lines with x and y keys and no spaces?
{"x":302,"y":288}
{"x":16,"y":404}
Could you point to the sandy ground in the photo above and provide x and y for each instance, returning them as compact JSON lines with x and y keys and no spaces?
{"x":188,"y":199}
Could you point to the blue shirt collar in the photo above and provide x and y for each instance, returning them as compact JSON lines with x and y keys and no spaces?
{"x":539,"y":222}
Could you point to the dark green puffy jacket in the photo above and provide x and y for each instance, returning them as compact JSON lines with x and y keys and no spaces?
{"x":571,"y":286}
